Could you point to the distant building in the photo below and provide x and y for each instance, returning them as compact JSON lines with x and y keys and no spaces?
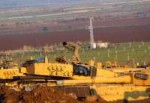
{"x":102,"y":44}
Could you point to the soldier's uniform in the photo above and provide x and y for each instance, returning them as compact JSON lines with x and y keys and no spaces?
{"x":75,"y":48}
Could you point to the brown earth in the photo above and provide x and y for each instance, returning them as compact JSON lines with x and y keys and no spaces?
{"x":38,"y":95}
{"x":110,"y":34}
{"x":116,"y":30}
{"x":46,"y":95}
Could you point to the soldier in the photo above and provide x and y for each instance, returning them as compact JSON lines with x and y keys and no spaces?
{"x":75,"y":48}
{"x":62,"y":59}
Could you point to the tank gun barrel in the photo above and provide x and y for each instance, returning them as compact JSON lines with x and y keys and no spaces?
{"x":97,"y":80}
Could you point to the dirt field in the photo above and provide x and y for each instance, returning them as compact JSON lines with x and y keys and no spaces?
{"x":115,"y":30}
{"x":45,"y":95}
{"x":38,"y":95}
{"x":111,"y":34}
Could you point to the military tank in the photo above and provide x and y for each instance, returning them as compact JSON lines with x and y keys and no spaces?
{"x":84,"y":80}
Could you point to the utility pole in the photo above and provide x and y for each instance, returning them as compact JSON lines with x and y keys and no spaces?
{"x":92,"y":43}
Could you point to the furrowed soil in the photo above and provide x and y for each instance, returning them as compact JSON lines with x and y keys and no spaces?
{"x":46,"y":95}
{"x":38,"y":95}
{"x":118,"y":30}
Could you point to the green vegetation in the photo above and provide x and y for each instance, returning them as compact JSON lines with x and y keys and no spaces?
{"x":123,"y":53}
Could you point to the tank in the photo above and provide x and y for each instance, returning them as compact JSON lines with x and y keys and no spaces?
{"x":87,"y":81}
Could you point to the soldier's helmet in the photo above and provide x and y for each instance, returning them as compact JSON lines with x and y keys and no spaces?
{"x":64,"y":43}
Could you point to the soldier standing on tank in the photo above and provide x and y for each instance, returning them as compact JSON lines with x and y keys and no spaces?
{"x":75,"y":48}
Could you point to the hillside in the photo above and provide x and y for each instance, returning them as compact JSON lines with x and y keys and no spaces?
{"x":27,"y":3}
{"x":39,"y":26}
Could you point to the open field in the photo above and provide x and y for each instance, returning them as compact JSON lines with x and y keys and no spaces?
{"x":113,"y":22}
{"x":123,"y":53}
{"x":109,"y":34}
{"x":30,"y":32}
{"x":38,"y":26}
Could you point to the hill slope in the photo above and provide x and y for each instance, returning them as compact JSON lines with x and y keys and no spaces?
{"x":25,"y":3}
